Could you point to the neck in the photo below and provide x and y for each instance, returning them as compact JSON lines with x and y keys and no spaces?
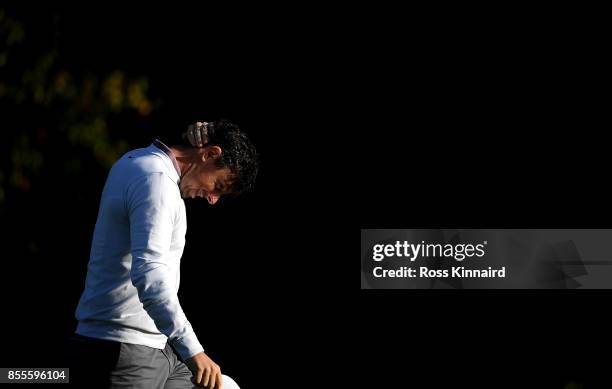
{"x":184,"y":157}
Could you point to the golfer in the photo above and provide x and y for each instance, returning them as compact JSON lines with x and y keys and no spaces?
{"x":132,"y":331}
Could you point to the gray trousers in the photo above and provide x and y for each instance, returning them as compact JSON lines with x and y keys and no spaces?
{"x":97,"y":363}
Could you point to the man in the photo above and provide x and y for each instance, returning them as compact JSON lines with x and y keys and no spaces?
{"x":131,"y":329}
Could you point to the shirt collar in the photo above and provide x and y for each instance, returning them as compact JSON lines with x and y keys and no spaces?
{"x":160,"y":145}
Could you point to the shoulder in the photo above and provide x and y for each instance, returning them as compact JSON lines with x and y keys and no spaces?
{"x":154,"y":183}
{"x":140,"y":163}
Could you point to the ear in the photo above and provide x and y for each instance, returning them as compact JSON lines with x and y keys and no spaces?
{"x":213,"y":152}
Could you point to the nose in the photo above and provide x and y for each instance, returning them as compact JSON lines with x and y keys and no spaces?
{"x":212,"y":199}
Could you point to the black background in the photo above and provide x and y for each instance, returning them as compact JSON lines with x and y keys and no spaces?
{"x":491,"y":123}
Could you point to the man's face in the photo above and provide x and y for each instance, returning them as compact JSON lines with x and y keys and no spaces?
{"x":206,"y":180}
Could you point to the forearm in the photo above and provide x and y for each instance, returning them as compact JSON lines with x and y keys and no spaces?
{"x":161,"y":302}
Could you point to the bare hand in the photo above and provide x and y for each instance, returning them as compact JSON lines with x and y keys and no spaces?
{"x":206,"y":373}
{"x":197,"y":134}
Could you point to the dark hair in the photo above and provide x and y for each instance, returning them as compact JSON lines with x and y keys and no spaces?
{"x":238,"y":153}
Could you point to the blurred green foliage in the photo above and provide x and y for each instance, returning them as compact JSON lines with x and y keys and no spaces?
{"x":58,"y":109}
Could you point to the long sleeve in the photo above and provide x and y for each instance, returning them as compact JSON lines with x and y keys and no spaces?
{"x":151,"y":205}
